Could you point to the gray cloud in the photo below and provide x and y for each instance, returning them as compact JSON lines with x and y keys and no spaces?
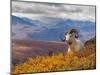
{"x":34,"y":10}
{"x":49,"y":14}
{"x":46,"y":8}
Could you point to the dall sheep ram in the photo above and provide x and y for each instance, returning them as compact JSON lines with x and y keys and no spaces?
{"x":72,"y":39}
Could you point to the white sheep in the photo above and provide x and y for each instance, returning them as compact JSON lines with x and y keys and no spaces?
{"x":74,"y":44}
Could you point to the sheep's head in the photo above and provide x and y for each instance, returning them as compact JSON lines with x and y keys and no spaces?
{"x":70,"y":36}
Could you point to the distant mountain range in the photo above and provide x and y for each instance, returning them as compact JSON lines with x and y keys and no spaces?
{"x":51,"y":30}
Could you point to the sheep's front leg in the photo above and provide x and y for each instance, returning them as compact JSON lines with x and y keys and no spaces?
{"x":68,"y":50}
{"x":71,"y":53}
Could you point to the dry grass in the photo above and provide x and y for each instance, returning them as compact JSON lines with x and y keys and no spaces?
{"x":55,"y":63}
{"x":60,"y":62}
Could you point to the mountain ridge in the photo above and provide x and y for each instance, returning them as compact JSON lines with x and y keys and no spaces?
{"x":38,"y":30}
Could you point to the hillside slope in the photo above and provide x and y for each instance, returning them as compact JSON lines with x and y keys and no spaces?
{"x":60,"y":62}
{"x":23,"y":49}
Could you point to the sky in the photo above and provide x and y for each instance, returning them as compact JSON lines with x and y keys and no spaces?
{"x":48,"y":14}
{"x":40,"y":11}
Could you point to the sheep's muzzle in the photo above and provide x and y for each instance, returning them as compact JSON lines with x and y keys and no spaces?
{"x":69,"y":42}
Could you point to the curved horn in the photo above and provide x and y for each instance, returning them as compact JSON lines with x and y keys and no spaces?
{"x":74,"y":31}
{"x":63,"y":40}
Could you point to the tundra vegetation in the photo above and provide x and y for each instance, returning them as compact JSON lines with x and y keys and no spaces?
{"x":60,"y":62}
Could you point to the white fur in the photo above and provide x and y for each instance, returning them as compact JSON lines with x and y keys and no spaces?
{"x":76,"y":46}
{"x":67,"y":37}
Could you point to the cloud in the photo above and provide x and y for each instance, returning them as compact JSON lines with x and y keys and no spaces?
{"x":34,"y":10}
{"x":48,"y":15}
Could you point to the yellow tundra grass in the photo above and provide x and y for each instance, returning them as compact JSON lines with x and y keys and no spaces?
{"x":60,"y":62}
